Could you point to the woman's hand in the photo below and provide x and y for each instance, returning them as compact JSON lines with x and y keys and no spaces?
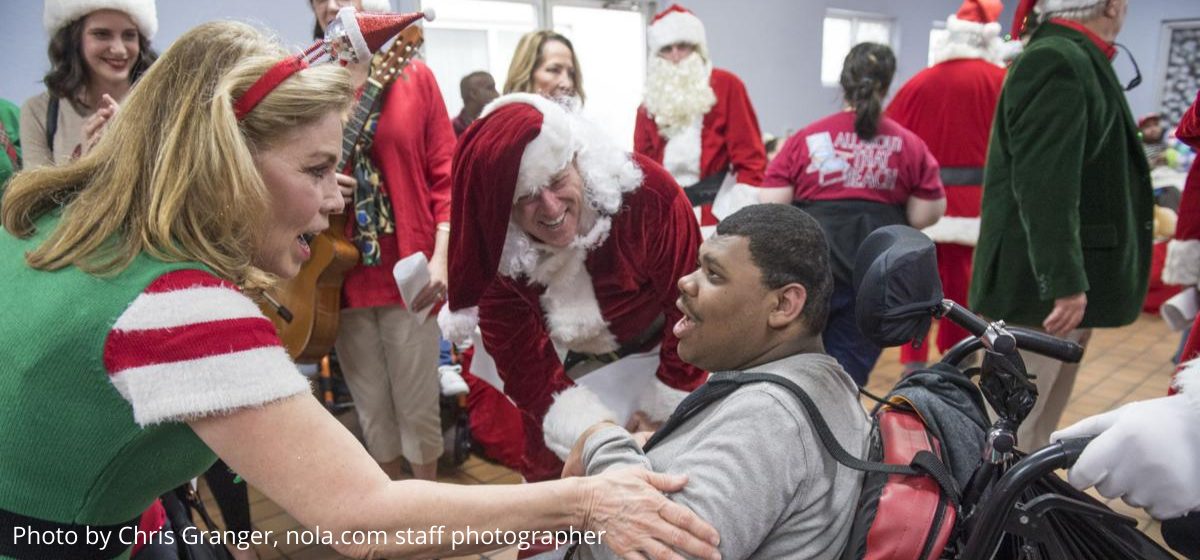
{"x":94,"y":125}
{"x":435,"y":290}
{"x":639,"y":522}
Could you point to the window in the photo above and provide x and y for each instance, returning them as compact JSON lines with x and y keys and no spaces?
{"x":611,"y":47}
{"x":937,"y":34}
{"x":471,"y":35}
{"x":843,"y":30}
{"x":609,"y":39}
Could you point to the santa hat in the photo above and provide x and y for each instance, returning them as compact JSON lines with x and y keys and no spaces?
{"x":1183,"y":252}
{"x":514,"y":148}
{"x":61,"y":13}
{"x":676,"y":25}
{"x":377,"y":6}
{"x":973,"y":32}
{"x":1148,"y":117}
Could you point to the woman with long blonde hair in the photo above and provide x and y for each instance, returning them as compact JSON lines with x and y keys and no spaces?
{"x":545,"y":63}
{"x":133,"y":357}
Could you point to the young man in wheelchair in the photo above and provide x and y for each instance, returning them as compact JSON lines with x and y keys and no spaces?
{"x":757,"y":302}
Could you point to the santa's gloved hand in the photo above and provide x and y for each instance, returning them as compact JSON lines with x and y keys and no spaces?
{"x":1146,"y":453}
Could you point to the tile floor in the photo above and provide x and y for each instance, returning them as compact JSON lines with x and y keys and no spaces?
{"x":1121,"y":365}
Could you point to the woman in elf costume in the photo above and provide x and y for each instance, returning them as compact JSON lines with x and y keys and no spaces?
{"x":132,"y":357}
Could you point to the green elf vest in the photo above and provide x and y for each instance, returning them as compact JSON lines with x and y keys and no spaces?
{"x":70,"y":451}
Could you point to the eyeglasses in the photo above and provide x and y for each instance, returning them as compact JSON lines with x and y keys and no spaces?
{"x":1137,"y":78}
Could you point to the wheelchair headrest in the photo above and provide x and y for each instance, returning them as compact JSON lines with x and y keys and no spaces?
{"x":896,"y":276}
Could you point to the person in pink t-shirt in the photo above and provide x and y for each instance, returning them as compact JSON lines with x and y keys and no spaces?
{"x":856,"y":171}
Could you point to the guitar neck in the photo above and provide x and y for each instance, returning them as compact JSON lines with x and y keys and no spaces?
{"x":353,"y":131}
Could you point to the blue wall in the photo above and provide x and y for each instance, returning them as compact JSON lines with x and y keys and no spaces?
{"x":774,"y":45}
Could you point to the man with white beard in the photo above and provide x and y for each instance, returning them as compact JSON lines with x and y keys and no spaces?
{"x":697,"y":121}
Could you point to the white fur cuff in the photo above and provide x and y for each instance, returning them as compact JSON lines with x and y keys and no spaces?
{"x":457,"y":326}
{"x":953,"y":229}
{"x":660,"y":400}
{"x":1183,"y":262}
{"x":1187,"y":381}
{"x":573,"y":412}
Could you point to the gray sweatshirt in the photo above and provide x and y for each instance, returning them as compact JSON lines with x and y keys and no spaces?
{"x":756,"y":469}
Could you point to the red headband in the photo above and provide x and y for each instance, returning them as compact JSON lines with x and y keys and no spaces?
{"x":268,"y":82}
{"x":350,"y":38}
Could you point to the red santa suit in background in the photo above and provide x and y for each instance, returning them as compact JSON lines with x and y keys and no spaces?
{"x":1183,"y":252}
{"x":611,"y":293}
{"x":698,"y":123}
{"x":950,"y":105}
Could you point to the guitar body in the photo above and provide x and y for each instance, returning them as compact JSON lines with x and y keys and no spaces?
{"x":314,"y":296}
{"x":305,"y":309}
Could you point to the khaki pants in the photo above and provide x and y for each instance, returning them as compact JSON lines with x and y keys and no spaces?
{"x":390,"y":362}
{"x":1055,"y":381}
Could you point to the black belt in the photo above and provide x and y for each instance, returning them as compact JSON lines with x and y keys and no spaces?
{"x":59,"y":534}
{"x":705,"y":190}
{"x":638,"y":344}
{"x":962,"y":176}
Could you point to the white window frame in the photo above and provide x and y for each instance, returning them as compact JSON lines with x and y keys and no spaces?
{"x":936,"y":26}
{"x":855,"y":18}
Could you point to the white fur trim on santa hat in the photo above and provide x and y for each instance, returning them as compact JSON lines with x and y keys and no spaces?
{"x":677,"y":27}
{"x":547,"y":154}
{"x":954,"y":229}
{"x":377,"y":6}
{"x":457,"y":326}
{"x":60,"y":13}
{"x":968,"y":39}
{"x":1182,"y":266}
{"x":660,"y":400}
{"x":573,"y":412}
{"x":1187,"y":381}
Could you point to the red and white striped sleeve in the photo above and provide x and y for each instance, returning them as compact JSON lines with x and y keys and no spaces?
{"x":193,"y":345}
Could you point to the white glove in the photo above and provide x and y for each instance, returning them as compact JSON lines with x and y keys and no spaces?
{"x":1146,"y":453}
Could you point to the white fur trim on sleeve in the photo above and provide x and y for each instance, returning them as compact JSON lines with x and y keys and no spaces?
{"x":1182,"y":266}
{"x":1187,"y":381}
{"x":660,"y":400}
{"x":954,"y":229}
{"x":211,"y":385}
{"x":457,"y":326}
{"x":573,"y":412}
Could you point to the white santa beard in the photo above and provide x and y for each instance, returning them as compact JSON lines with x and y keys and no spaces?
{"x":678,"y":93}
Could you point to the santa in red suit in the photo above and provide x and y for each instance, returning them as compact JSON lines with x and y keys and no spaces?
{"x":565,"y":251}
{"x":697,"y":121}
{"x":950,"y":106}
{"x":1182,"y":265}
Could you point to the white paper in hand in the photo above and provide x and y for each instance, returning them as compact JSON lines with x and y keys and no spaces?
{"x":412,"y":275}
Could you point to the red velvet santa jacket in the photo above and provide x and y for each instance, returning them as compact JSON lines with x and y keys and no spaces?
{"x":950,"y":106}
{"x":653,"y":241}
{"x":730,"y":136}
{"x":414,"y":144}
{"x":1183,"y":253}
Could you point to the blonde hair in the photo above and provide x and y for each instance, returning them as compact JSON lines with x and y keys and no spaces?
{"x":174,"y":176}
{"x":528,"y":57}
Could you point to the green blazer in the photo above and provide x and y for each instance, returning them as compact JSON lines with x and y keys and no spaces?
{"x":1067,"y":199}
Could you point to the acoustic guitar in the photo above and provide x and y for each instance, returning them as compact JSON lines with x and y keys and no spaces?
{"x":305,"y":309}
